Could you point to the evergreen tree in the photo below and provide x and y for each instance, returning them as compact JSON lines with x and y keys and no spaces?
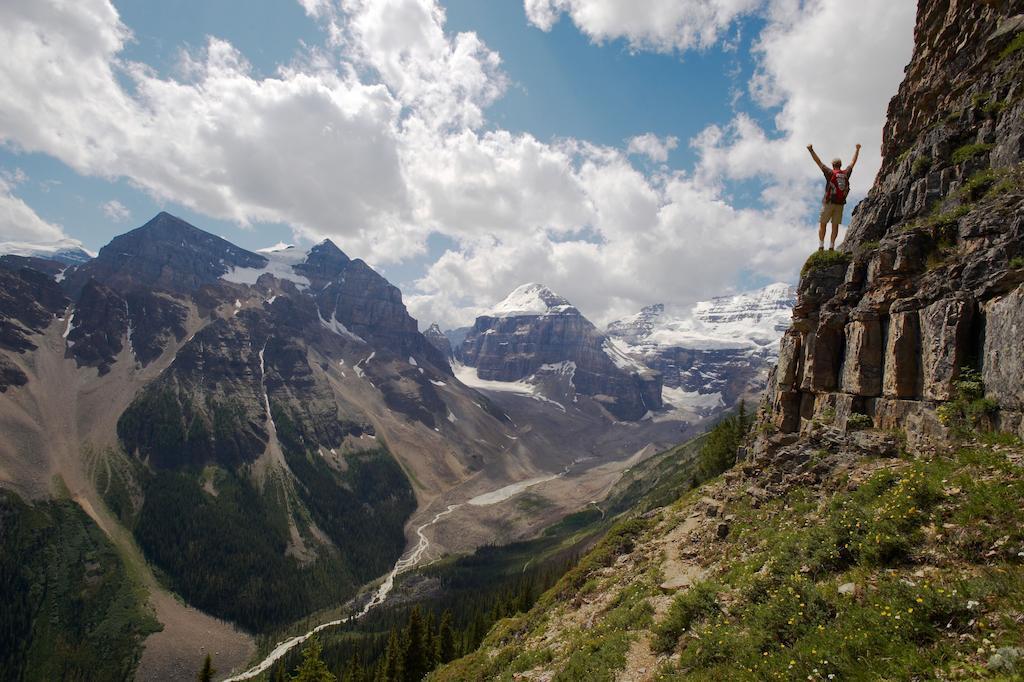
{"x":445,"y":639}
{"x":208,"y":671}
{"x":417,"y":658}
{"x":392,"y":664}
{"x":430,"y":640}
{"x":354,"y":671}
{"x":312,"y":668}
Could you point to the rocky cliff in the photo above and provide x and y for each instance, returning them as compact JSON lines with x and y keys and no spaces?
{"x":927,"y":282}
{"x":535,"y":333}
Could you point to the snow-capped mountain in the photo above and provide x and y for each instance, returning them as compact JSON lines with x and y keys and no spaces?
{"x":753,"y":320}
{"x":530,"y":299}
{"x":716,"y":352}
{"x":537,"y":341}
{"x":66,"y":251}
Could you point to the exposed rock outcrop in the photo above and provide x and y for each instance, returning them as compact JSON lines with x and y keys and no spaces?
{"x":167,"y":254}
{"x":536,"y":330}
{"x":932,"y":278}
{"x":438,"y":340}
{"x":29,"y":300}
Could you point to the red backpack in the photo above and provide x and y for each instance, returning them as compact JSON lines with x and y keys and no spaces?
{"x":837,"y":187}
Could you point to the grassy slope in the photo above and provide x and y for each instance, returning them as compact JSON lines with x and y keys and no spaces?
{"x":933,"y":545}
{"x":70,"y":610}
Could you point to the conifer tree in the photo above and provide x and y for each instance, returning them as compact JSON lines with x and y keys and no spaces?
{"x":312,"y":668}
{"x":430,"y":640}
{"x":445,"y":639}
{"x":417,"y":659}
{"x":208,"y":671}
{"x":392,"y":664}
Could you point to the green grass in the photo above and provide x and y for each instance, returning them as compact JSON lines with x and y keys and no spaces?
{"x":979,"y":184}
{"x":970,"y":151}
{"x":858,"y":421}
{"x":1017,"y":262}
{"x":821,"y":260}
{"x":995,"y":107}
{"x":1013,"y":47}
{"x":599,"y":652}
{"x":969,"y":410}
{"x":921,"y":166}
{"x":700,"y":601}
{"x":785,"y":618}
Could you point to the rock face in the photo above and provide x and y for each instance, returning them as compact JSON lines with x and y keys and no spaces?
{"x":933,"y":271}
{"x":351,"y":293}
{"x":29,"y":301}
{"x":534,"y":330}
{"x":438,"y":340}
{"x":715,"y":353}
{"x":166,"y":253}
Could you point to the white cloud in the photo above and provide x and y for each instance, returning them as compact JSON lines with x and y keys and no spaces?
{"x":18,"y":222}
{"x":831,"y":93}
{"x":116,"y":211}
{"x":448,"y":80}
{"x":381,"y":141}
{"x":659,"y":25}
{"x":312,"y":147}
{"x":653,"y":147}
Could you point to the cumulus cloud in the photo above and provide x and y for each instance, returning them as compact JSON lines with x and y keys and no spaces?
{"x":659,"y":25}
{"x":382,"y":140}
{"x":653,"y":147}
{"x":313,"y":148}
{"x":652,"y":228}
{"x":18,"y":222}
{"x":116,"y":211}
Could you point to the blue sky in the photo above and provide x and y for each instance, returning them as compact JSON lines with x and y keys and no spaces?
{"x":529,"y":178}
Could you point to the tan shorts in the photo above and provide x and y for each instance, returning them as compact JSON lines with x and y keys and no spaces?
{"x":832,"y":212}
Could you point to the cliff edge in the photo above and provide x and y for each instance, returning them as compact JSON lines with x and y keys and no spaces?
{"x":927,"y":283}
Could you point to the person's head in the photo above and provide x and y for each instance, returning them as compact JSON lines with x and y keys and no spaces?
{"x":837,"y":163}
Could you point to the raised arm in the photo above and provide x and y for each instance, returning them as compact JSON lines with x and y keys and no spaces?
{"x":814,"y":156}
{"x":856,"y":155}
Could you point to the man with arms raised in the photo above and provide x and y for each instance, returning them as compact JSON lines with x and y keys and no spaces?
{"x":837,"y":188}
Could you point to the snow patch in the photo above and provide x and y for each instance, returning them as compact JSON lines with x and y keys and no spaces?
{"x":530,"y":299}
{"x":469,"y":377}
{"x":619,"y":354}
{"x":281,"y":260}
{"x":338,"y":328}
{"x":70,"y":325}
{"x":412,"y":361}
{"x":438,"y":383}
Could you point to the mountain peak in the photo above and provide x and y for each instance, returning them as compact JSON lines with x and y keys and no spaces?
{"x":528,"y":300}
{"x":165,"y":253}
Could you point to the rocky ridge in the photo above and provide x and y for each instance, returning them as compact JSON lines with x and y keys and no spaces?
{"x":928,"y":280}
{"x":538,"y":336}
